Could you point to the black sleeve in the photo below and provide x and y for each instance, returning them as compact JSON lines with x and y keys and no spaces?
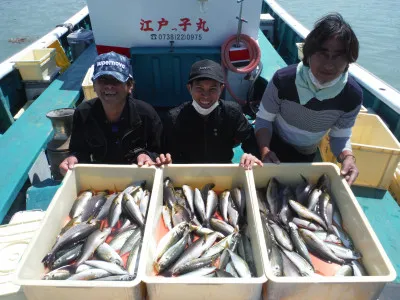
{"x":245,"y":133}
{"x":77,"y":145}
{"x":153,"y":129}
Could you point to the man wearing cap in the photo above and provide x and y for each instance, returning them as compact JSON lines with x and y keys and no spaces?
{"x":206,"y":129}
{"x":114,"y":128}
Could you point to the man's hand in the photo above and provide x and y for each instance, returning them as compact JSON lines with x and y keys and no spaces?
{"x":67,"y":164}
{"x":349,"y":169}
{"x":144,"y":160}
{"x":270,"y":157}
{"x":247,"y":161}
{"x":163,"y":159}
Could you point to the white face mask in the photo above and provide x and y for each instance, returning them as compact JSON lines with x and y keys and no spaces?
{"x":204,"y":111}
{"x":320,"y":85}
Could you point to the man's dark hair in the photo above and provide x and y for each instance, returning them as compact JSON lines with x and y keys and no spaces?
{"x":331,"y":25}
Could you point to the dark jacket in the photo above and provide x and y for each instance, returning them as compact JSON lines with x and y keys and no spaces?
{"x":94,"y":139}
{"x":192,"y":138}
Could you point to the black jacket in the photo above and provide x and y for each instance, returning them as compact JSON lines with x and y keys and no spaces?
{"x":94,"y":139}
{"x":192,"y":138}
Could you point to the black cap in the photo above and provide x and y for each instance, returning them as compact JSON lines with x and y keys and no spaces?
{"x":206,"y":69}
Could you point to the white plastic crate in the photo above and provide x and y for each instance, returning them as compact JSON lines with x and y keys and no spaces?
{"x":163,"y":288}
{"x":97,"y":177}
{"x":355,"y":223}
{"x":87,"y":85}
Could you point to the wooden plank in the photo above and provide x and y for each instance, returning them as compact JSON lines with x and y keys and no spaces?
{"x":270,"y":58}
{"x":383,"y":213}
{"x":23,"y":141}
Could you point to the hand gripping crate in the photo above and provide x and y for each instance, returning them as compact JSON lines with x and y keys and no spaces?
{"x":355,"y":223}
{"x":376,"y":149}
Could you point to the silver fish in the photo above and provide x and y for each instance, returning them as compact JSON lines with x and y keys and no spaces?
{"x":324,"y":201}
{"x":89,"y":274}
{"x":233,"y":214}
{"x":199,"y":205}
{"x":273,"y":196}
{"x":318,"y":247}
{"x":306,"y":213}
{"x":172,"y":254}
{"x":289,"y":268}
{"x":169,"y":193}
{"x":68,"y":257}
{"x":73,"y":235}
{"x":343,"y":236}
{"x":132,"y":209}
{"x":107,"y":253}
{"x":125,"y":277}
{"x":133,"y":260}
{"x":313,"y":199}
{"x":336,"y":216}
{"x":301,"y":223}
{"x":79,"y":204}
{"x":343,"y":252}
{"x":109,"y":267}
{"x":298,"y":242}
{"x":231,"y":270}
{"x":199,"y":272}
{"x":303,"y":191}
{"x":92,"y":242}
{"x":170,"y":238}
{"x":144,"y":203}
{"x":195,"y":250}
{"x":93,"y":206}
{"x":281,"y":236}
{"x":189,"y":194}
{"x":135,"y":238}
{"x":166,"y":214}
{"x":240,"y":265}
{"x":105,"y":210}
{"x":82,"y":267}
{"x":223,"y":204}
{"x":345,"y":270}
{"x":202,"y":231}
{"x":326,"y":237}
{"x":324,"y":183}
{"x":179,"y":214}
{"x":225,"y":243}
{"x":249,"y":255}
{"x":115,"y":210}
{"x":221,"y":226}
{"x":302,"y":265}
{"x":205,"y":189}
{"x":194,"y":265}
{"x":285,"y":214}
{"x":239,"y":199}
{"x":119,"y":240}
{"x":275,"y":260}
{"x":358,"y":269}
{"x":222,"y":274}
{"x":211,"y":205}
{"x":59,"y":274}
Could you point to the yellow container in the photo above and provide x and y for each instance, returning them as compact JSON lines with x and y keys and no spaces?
{"x":355,"y":223}
{"x":87,"y":85}
{"x":394,"y":187}
{"x":376,"y":149}
{"x":97,"y":177}
{"x":37,"y":64}
{"x":199,"y":288}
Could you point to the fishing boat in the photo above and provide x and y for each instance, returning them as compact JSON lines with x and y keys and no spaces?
{"x":165,"y":47}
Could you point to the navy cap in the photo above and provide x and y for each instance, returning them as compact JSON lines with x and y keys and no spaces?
{"x":206,"y":69}
{"x":113,"y":64}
